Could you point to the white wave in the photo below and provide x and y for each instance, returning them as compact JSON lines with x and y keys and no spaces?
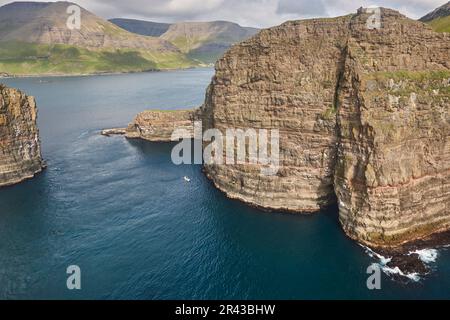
{"x":392,"y":271}
{"x":383,"y":260}
{"x":83,"y":134}
{"x":426,"y":255}
{"x":388,"y":270}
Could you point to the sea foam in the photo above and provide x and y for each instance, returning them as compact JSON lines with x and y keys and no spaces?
{"x":427,"y":256}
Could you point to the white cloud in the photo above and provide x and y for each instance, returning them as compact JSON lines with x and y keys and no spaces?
{"x":183,"y":6}
{"x":311,"y":8}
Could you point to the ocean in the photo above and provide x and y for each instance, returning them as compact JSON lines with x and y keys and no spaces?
{"x":123,"y":213}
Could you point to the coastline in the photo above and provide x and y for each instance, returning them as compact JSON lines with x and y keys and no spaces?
{"x":67,"y":75}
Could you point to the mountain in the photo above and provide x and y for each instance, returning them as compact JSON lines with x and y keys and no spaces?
{"x":34,"y":39}
{"x":439,"y":19}
{"x":202,"y":41}
{"x":145,"y":28}
{"x":207,"y":41}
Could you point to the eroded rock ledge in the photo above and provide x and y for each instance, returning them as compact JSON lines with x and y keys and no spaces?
{"x":20,"y":152}
{"x":363,"y":116}
{"x":158,"y":125}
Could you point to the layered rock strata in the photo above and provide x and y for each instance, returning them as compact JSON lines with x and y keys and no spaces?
{"x":158,"y":126}
{"x":20,"y":152}
{"x":284,"y":78}
{"x":392,"y":174}
{"x":363,"y":116}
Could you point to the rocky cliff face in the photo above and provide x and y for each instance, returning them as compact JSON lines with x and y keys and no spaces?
{"x":284,"y":78}
{"x":392,"y":174}
{"x":363,"y":115}
{"x":363,"y":119}
{"x":20,"y":153}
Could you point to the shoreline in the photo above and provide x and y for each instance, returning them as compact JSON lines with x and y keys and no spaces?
{"x":69,"y":75}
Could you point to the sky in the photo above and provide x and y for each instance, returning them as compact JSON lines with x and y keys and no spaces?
{"x":254,"y":13}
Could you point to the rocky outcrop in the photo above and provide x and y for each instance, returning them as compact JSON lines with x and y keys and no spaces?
{"x":392,"y":174}
{"x":158,"y":126}
{"x":362,"y":111}
{"x":20,"y":152}
{"x":362,"y":114}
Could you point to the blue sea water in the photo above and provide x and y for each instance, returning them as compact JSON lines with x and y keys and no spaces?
{"x":123,"y":212}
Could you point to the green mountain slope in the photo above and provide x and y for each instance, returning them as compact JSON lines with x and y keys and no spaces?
{"x":145,"y":28}
{"x":441,"y":24}
{"x":22,"y":59}
{"x":34,"y":40}
{"x":206,"y":41}
{"x":201,"y":41}
{"x":439,"y":19}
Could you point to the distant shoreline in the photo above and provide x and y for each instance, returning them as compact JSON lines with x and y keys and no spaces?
{"x":66,"y":75}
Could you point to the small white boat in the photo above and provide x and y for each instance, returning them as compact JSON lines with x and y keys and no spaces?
{"x":187,"y":179}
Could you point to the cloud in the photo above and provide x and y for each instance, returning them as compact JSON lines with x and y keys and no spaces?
{"x":304,"y":8}
{"x":259,"y":13}
{"x":183,"y":6}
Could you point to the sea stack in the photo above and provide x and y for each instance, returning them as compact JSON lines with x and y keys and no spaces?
{"x":20,"y":153}
{"x":363,"y":114}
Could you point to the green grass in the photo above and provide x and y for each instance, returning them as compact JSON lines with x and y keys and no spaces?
{"x":206,"y":57}
{"x":412,"y":75}
{"x":194,"y":47}
{"x":441,"y":24}
{"x":419,"y":82}
{"x":186,"y":44}
{"x":39,"y":59}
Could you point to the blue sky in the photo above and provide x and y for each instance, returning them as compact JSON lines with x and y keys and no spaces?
{"x":258,"y":13}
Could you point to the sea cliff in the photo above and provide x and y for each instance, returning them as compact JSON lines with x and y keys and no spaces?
{"x":20,"y":152}
{"x":363,"y":115}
